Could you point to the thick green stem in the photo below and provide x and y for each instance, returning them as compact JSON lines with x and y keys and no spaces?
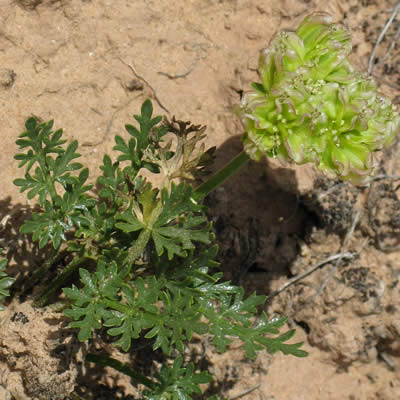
{"x":42,"y":271}
{"x":140,"y":244}
{"x":111,"y":362}
{"x":59,"y":282}
{"x":221,"y":176}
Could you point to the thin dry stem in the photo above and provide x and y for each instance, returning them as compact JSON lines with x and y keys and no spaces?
{"x":245,"y":392}
{"x":356,"y":218}
{"x":292,"y":281}
{"x":371,"y":65}
{"x":132,"y":68}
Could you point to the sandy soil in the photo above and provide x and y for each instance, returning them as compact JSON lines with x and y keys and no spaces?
{"x":89,"y":65}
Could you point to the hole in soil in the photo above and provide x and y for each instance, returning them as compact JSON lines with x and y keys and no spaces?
{"x":255,"y":269}
{"x":258,"y":224}
{"x":304,"y":325}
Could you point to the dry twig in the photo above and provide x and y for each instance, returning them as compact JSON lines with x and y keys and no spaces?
{"x":245,"y":392}
{"x":356,"y":217}
{"x":109,"y":124}
{"x":132,"y":68}
{"x":185,"y":74}
{"x":384,"y":176}
{"x":303,"y":275}
{"x":380,"y":38}
{"x":390,"y":48}
{"x":385,"y":357}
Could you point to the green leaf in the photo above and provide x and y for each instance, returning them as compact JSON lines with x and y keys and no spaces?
{"x":46,"y":226}
{"x":62,"y":196}
{"x":117,"y":184}
{"x":177,"y":227}
{"x":274,"y":345}
{"x":146,"y":137}
{"x":139,"y":214}
{"x":177,"y":382}
{"x":52,"y":162}
{"x":130,"y":224}
{"x":191,"y":268}
{"x":234,"y":319}
{"x":129,"y":152}
{"x":222,"y":306}
{"x":54,"y":222}
{"x":90,"y":304}
{"x":5,"y":281}
{"x":170,"y":326}
{"x":177,"y":323}
{"x":62,"y":163}
{"x":173,"y":381}
{"x":259,"y":87}
{"x":41,"y":140}
{"x":140,"y":311}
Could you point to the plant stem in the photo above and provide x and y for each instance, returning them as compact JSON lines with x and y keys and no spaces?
{"x":140,"y":244}
{"x":56,"y":285}
{"x":42,"y":271}
{"x":137,"y":249}
{"x":113,"y":363}
{"x":221,"y":176}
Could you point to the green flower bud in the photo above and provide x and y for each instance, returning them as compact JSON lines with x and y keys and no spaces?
{"x":313,"y":107}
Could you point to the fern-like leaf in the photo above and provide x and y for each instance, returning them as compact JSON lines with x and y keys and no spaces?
{"x":139,"y":312}
{"x":147,"y":135}
{"x":177,"y":382}
{"x":64,"y":215}
{"x":235,"y":319}
{"x":90,"y":305}
{"x":62,"y":196}
{"x":41,"y":141}
{"x":176,"y":228}
{"x":5,"y":281}
{"x":42,"y":144}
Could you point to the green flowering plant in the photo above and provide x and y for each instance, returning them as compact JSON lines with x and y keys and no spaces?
{"x":312,"y":106}
{"x":146,"y":254}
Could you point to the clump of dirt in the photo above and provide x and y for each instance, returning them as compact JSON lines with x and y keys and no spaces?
{"x":334,"y":203}
{"x":36,"y":362}
{"x":384,"y":215}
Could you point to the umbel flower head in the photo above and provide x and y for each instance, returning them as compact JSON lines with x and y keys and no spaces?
{"x":311,"y":106}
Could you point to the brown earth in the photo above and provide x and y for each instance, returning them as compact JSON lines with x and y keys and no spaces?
{"x":89,"y":65}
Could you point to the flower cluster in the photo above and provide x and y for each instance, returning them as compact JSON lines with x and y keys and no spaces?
{"x":312,"y":106}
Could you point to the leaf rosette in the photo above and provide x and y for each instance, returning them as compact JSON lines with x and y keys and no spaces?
{"x":312,"y":106}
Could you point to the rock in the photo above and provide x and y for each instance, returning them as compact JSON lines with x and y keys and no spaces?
{"x":33,"y":366}
{"x":5,"y":394}
{"x":32,"y":4}
{"x":29,"y":4}
{"x":7,"y":77}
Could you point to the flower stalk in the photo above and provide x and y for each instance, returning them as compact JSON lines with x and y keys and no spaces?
{"x":221,"y":176}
